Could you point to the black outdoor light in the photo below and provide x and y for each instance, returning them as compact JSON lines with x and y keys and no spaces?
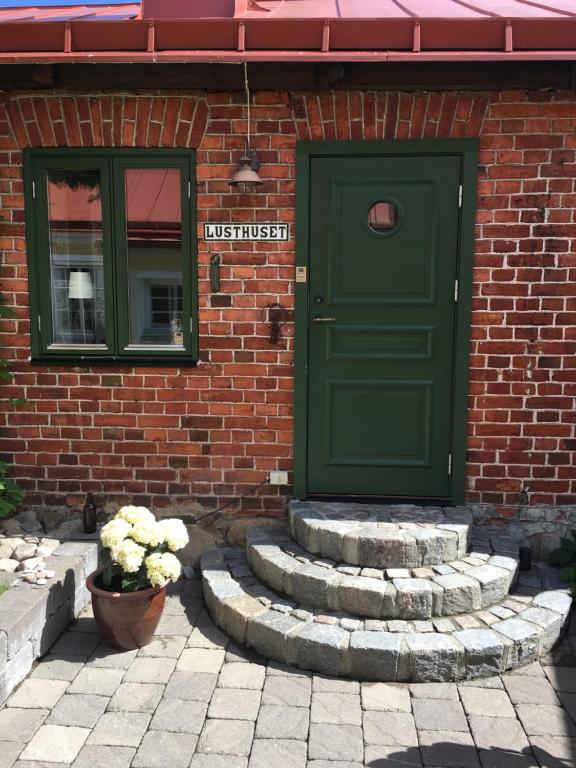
{"x":245,"y":178}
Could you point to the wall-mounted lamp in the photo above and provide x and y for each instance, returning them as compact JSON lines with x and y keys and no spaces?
{"x":245,"y":178}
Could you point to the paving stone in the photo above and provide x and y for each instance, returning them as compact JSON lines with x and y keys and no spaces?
{"x":434,"y":658}
{"x":122,"y":729}
{"x":218,"y":761}
{"x":20,"y":724}
{"x":169,"y":647}
{"x":155,"y":670}
{"x":9,"y":751}
{"x":207,"y":637}
{"x":104,"y":757}
{"x":201,"y":660}
{"x":191,"y":686}
{"x":234,"y":704}
{"x":58,"y":668}
{"x":434,"y":691}
{"x":530,"y":690}
{"x":105,"y":657}
{"x":562,"y":678}
{"x":278,"y":752}
{"x":227,"y":737}
{"x":374,"y":655}
{"x":55,"y":744}
{"x":484,"y":651}
{"x":281,"y":722}
{"x":291,"y":691}
{"x":568,"y":701}
{"x":386,"y":697}
{"x":449,"y":749}
{"x":390,"y":729}
{"x":319,"y":647}
{"x":171,"y":625}
{"x":136,"y":697}
{"x":379,"y":756}
{"x":336,"y":708}
{"x":240,"y":675}
{"x":35,"y":693}
{"x":335,"y":742}
{"x":179,"y":716}
{"x":498,"y":733}
{"x":79,"y":709}
{"x":429,"y":715}
{"x":528,"y":670}
{"x":461,"y":593}
{"x":334,"y":685}
{"x":76,"y":644}
{"x":541,"y":720}
{"x":162,"y":748}
{"x":483,"y":701}
{"x":483,"y":682}
{"x":554,"y":751}
{"x":333,"y":764}
{"x":101,"y":682}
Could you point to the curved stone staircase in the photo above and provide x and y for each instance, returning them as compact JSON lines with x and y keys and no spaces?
{"x":380,"y":593}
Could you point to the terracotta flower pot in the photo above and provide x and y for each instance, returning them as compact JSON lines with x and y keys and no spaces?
{"x":126,"y":620}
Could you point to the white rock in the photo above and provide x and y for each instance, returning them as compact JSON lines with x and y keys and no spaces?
{"x":30,"y":565}
{"x":50,"y":574}
{"x":24,"y":552}
{"x":41,"y":581}
{"x":5,"y":550}
{"x":44,"y":551}
{"x":8,"y":565}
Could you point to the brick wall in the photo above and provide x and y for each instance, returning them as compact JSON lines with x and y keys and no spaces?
{"x":202,"y":436}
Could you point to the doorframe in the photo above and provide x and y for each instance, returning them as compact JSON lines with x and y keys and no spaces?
{"x":467,"y":150}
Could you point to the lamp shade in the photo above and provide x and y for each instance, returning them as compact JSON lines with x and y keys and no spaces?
{"x":80,"y":285}
{"x":245,"y":177}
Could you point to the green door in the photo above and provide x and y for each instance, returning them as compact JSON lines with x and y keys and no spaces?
{"x":383,"y":265}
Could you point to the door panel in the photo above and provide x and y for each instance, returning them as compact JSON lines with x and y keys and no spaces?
{"x":381,"y":336}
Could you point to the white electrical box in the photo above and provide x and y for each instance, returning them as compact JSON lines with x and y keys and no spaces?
{"x":278,"y":478}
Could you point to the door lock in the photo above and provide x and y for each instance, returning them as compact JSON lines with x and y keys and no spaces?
{"x":324,"y":319}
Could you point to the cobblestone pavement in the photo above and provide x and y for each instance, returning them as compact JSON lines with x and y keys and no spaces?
{"x":193,"y":699}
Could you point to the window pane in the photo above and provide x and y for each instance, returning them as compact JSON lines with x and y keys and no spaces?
{"x":154,"y":247}
{"x":76,"y":258}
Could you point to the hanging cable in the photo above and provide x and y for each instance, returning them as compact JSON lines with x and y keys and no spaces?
{"x":229,"y":503}
{"x":247,"y":88}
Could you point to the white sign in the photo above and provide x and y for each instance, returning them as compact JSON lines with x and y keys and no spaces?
{"x":272,"y":231}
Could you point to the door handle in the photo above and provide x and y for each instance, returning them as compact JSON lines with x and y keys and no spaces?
{"x":324,"y":319}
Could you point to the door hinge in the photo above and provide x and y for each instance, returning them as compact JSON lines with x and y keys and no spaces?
{"x":34,"y":190}
{"x":449,"y":464}
{"x":456,"y":286}
{"x":39,"y":323}
{"x":460,"y":196}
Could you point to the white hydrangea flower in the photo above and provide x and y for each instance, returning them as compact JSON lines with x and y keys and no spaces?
{"x":147,"y":533}
{"x":162,"y":567}
{"x":114,"y":532}
{"x":128,"y":555}
{"x":175,"y":534}
{"x":134,"y":515}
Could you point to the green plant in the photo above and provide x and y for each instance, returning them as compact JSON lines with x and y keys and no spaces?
{"x":565,"y":558}
{"x":10,"y":492}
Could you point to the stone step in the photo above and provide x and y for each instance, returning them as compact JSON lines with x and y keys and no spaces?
{"x":463,"y":586}
{"x":376,"y":536}
{"x":448,"y":649}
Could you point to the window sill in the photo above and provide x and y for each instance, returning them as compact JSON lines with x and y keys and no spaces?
{"x":104,"y":361}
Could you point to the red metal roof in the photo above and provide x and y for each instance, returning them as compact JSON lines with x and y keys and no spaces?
{"x":294,"y":30}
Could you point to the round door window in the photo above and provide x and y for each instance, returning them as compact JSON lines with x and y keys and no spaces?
{"x":382,"y":217}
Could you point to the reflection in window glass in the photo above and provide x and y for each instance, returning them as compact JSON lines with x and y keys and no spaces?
{"x":154,"y":248}
{"x":76,"y":259}
{"x":382,"y":217}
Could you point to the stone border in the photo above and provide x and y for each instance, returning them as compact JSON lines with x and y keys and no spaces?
{"x":533,"y":627}
{"x":32,"y":618}
{"x":464,"y":586}
{"x":381,"y":537}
